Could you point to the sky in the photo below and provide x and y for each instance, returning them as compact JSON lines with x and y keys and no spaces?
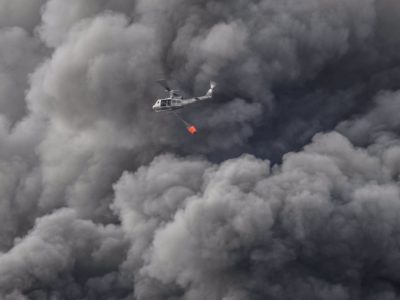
{"x":290,"y":189}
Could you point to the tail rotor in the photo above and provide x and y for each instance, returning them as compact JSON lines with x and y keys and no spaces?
{"x":210,"y":92}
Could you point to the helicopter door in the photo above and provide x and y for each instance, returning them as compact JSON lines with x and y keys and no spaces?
{"x":165,"y":103}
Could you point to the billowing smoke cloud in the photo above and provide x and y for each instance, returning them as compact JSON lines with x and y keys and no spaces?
{"x":290,"y":189}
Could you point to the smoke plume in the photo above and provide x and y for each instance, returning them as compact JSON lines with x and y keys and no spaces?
{"x":290,"y":189}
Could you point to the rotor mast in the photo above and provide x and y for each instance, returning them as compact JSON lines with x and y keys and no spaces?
{"x":164,"y":84}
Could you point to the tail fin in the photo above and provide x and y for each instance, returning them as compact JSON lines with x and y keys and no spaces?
{"x":211,"y":90}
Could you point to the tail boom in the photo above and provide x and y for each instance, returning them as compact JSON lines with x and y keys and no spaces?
{"x":207,"y":96}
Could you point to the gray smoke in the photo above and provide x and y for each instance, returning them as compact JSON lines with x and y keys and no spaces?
{"x":289,"y":191}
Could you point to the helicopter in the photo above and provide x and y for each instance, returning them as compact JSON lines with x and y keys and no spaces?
{"x":175,"y":101}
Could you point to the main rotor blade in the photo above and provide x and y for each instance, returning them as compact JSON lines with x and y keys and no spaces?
{"x":164,"y":84}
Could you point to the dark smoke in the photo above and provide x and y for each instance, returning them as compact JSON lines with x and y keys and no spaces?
{"x":289,"y":191}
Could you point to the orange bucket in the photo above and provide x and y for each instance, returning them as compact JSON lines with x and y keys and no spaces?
{"x":192,"y":130}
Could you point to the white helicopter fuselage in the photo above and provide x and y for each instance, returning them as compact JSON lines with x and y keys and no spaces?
{"x":175,"y":102}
